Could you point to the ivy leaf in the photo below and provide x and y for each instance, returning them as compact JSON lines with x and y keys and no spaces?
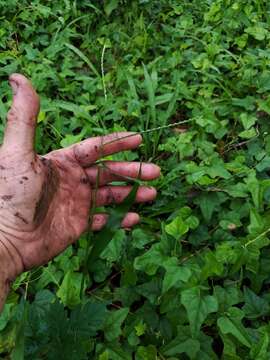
{"x":140,"y":238}
{"x":175,"y":274}
{"x":87,"y":319}
{"x":258,"y":32}
{"x":113,"y":251}
{"x":69,"y":291}
{"x":255,"y":189}
{"x":227,"y":296}
{"x":248,"y":134}
{"x":110,"y":5}
{"x":257,"y":222}
{"x":101,"y":241}
{"x":150,"y":290}
{"x":209,"y":203}
{"x":218,"y":169}
{"x":212,"y":265}
{"x":177,"y":227}
{"x":255,"y":306}
{"x":237,"y":190}
{"x":5,"y":316}
{"x":231,"y":324}
{"x":140,"y":328}
{"x":113,"y":323}
{"x":178,"y":346}
{"x":260,"y":350}
{"x":247,"y":120}
{"x":198,"y":307}
{"x":146,"y":353}
{"x":151,"y":260}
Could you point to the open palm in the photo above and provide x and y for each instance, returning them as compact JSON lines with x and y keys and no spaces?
{"x":45,"y":200}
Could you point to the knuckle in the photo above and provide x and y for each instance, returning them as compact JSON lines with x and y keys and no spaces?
{"x":12,"y":115}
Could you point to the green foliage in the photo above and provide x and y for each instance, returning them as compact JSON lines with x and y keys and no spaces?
{"x":192,"y":281}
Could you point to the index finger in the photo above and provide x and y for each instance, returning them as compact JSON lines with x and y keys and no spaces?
{"x":89,"y":151}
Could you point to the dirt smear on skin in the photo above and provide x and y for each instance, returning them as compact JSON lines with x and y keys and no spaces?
{"x":7,"y":197}
{"x":48,"y":190}
{"x":19,"y":216}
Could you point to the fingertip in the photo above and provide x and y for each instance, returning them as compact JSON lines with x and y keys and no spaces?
{"x":133,"y":137}
{"x":138,"y":137}
{"x":99,"y":220}
{"x":154,"y":192}
{"x":146,"y":193}
{"x":18,"y":79}
{"x":157,"y":170}
{"x":151,"y":171}
{"x":131,"y":219}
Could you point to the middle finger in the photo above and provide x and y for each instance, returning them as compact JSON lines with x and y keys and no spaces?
{"x":119,"y":171}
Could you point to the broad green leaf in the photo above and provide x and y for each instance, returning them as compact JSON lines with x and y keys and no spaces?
{"x":248,"y":134}
{"x":69,"y":291}
{"x":212,"y":266}
{"x":113,"y":323}
{"x":176,"y":347}
{"x":150,"y":261}
{"x":104,"y":356}
{"x":237,"y":190}
{"x":255,"y":189}
{"x":255,"y":306}
{"x":260,"y":350}
{"x":258,"y":32}
{"x":19,"y":348}
{"x":247,"y":120}
{"x":217,"y":169}
{"x":247,"y":102}
{"x":229,"y":347}
{"x":87,"y":319}
{"x":113,"y":251}
{"x":110,"y":5}
{"x":175,"y":274}
{"x":115,"y":352}
{"x":177,"y":227}
{"x":71,"y":139}
{"x":140,"y":238}
{"x":5,"y":316}
{"x":140,"y":328}
{"x":231,"y":324}
{"x":146,"y":353}
{"x":192,"y":222}
{"x":150,"y":290}
{"x":227,"y":296}
{"x":264,"y":164}
{"x":256,"y":222}
{"x":103,"y":238}
{"x":198,"y":307}
{"x":209,"y":203}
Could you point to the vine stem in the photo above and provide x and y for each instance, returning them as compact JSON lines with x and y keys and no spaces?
{"x":150,"y":130}
{"x":257,"y":237}
{"x":103,"y":72}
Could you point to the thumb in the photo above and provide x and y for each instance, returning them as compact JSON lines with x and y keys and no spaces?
{"x":21,"y":118}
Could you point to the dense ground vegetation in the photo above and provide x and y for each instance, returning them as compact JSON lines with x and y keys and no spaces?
{"x":192,"y":281}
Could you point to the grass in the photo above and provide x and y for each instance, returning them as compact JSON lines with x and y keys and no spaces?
{"x":192,"y":280}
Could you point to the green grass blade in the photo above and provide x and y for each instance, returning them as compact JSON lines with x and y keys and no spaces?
{"x":83,"y":57}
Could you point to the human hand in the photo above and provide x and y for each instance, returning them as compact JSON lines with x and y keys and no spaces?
{"x":45,"y":200}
